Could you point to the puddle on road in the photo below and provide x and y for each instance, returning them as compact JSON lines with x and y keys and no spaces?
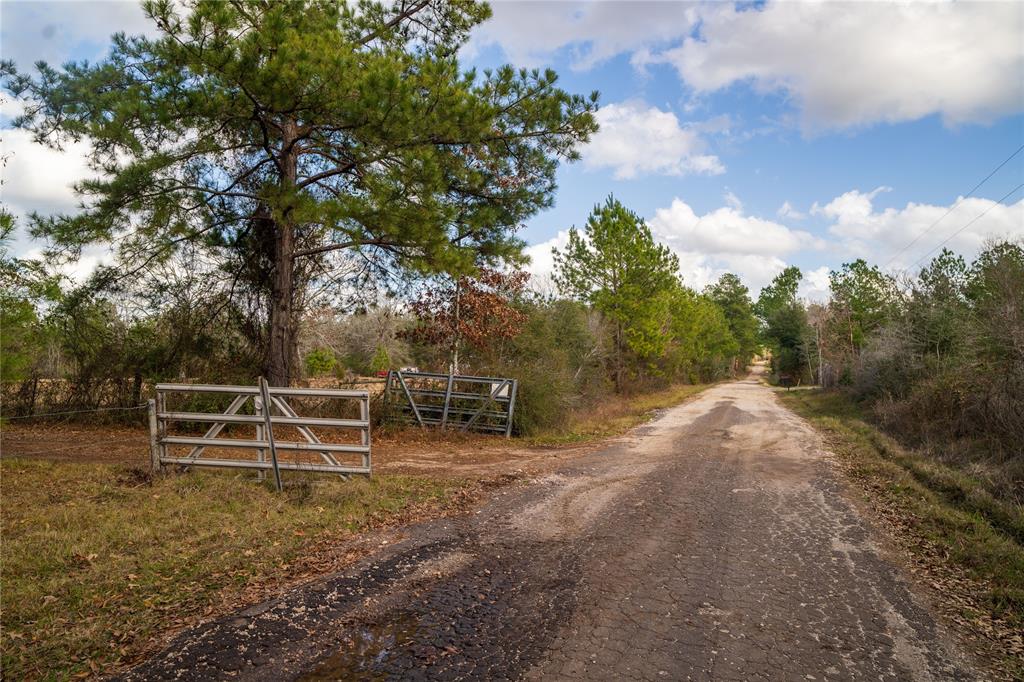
{"x":364,"y":649}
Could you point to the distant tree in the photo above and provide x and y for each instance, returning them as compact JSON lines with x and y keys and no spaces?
{"x":320,"y":361}
{"x":616,"y":266}
{"x":276,"y":133}
{"x":702,"y":344}
{"x":784,"y":321}
{"x":863,"y":298}
{"x":381,"y":361}
{"x":780,"y":293}
{"x":937,"y":309}
{"x":478,"y":312}
{"x":24,"y":287}
{"x":734,"y":299}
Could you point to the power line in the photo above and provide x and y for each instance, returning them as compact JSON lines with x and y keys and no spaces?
{"x":954,"y":206}
{"x":976,"y":219}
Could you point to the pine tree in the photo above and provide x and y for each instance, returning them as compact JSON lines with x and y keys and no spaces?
{"x":616,"y":266}
{"x":276,"y":133}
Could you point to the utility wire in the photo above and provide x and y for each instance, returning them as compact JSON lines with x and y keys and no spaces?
{"x":55,"y":414}
{"x":976,"y":219}
{"x":954,"y":206}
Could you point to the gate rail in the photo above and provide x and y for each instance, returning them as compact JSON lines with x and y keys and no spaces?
{"x":429,"y":398}
{"x":266,"y":399}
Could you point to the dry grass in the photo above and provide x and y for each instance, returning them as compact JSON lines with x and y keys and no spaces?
{"x":962,"y":540}
{"x":98,"y":560}
{"x":616,"y":415}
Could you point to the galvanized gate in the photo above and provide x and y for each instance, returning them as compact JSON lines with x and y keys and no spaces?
{"x":270,"y":408}
{"x":464,"y":402}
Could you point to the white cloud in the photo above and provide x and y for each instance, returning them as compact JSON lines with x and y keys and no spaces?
{"x":50,"y":31}
{"x":787,"y":211}
{"x":726,"y":231}
{"x":815,"y":284}
{"x":849,"y":64}
{"x":862,"y":231}
{"x":542,"y":262}
{"x":727,"y":240}
{"x":635,"y":139}
{"x":852,"y":207}
{"x":720,"y":241}
{"x":37,"y":178}
{"x":530,"y":33}
{"x":843,"y":64}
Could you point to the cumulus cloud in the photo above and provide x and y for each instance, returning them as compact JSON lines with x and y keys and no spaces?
{"x":727,"y":240}
{"x":851,"y":207}
{"x":542,"y":261}
{"x":851,"y":64}
{"x":636,"y":139}
{"x":880,"y":235}
{"x":37,"y":178}
{"x":814,"y":285}
{"x":726,"y":231}
{"x":787,"y":211}
{"x":49,"y":31}
{"x":843,"y":64}
{"x":529,"y":33}
{"x":709,"y":245}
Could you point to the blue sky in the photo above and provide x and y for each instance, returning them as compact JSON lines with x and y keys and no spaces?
{"x":749,"y":136}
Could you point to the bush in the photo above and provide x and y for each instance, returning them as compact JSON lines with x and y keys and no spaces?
{"x":320,"y":361}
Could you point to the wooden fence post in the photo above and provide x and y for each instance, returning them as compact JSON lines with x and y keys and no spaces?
{"x":154,"y":448}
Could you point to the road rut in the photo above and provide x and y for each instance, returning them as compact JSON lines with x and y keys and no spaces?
{"x":714,"y":543}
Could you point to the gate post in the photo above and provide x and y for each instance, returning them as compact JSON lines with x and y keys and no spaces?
{"x":154,"y":449}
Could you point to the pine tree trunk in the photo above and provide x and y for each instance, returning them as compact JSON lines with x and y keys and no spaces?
{"x":280,"y":363}
{"x":618,"y":357}
{"x":281,"y":342}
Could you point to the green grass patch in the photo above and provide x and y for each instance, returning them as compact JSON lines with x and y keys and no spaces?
{"x":615,"y":415}
{"x":97,"y":559}
{"x":936,"y":503}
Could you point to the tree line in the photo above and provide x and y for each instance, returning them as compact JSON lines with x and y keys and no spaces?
{"x":937,"y":357}
{"x":617,"y":319}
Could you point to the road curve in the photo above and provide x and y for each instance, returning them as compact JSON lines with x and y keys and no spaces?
{"x":712,"y":544}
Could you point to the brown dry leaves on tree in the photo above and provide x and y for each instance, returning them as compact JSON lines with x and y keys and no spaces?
{"x":470,"y":311}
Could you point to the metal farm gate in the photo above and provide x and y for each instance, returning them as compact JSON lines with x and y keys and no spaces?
{"x":464,"y":402}
{"x":270,"y":410}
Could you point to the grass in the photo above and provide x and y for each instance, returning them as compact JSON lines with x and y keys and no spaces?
{"x":98,"y":560}
{"x":615,"y":416}
{"x":945,"y":517}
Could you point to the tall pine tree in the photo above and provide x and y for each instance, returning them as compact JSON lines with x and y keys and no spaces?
{"x":616,"y":266}
{"x":278,"y":132}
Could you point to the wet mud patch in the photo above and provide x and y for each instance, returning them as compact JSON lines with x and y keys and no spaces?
{"x":492,"y":620}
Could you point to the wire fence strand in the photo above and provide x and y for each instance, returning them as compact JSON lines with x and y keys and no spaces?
{"x":140,"y":406}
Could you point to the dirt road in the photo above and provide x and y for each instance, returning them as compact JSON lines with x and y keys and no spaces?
{"x":714,"y":543}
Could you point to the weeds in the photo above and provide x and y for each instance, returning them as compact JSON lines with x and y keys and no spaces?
{"x":967,"y":541}
{"x":614,"y":415}
{"x":98,"y":560}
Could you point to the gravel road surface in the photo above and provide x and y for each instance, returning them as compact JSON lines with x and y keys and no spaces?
{"x":714,"y":543}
